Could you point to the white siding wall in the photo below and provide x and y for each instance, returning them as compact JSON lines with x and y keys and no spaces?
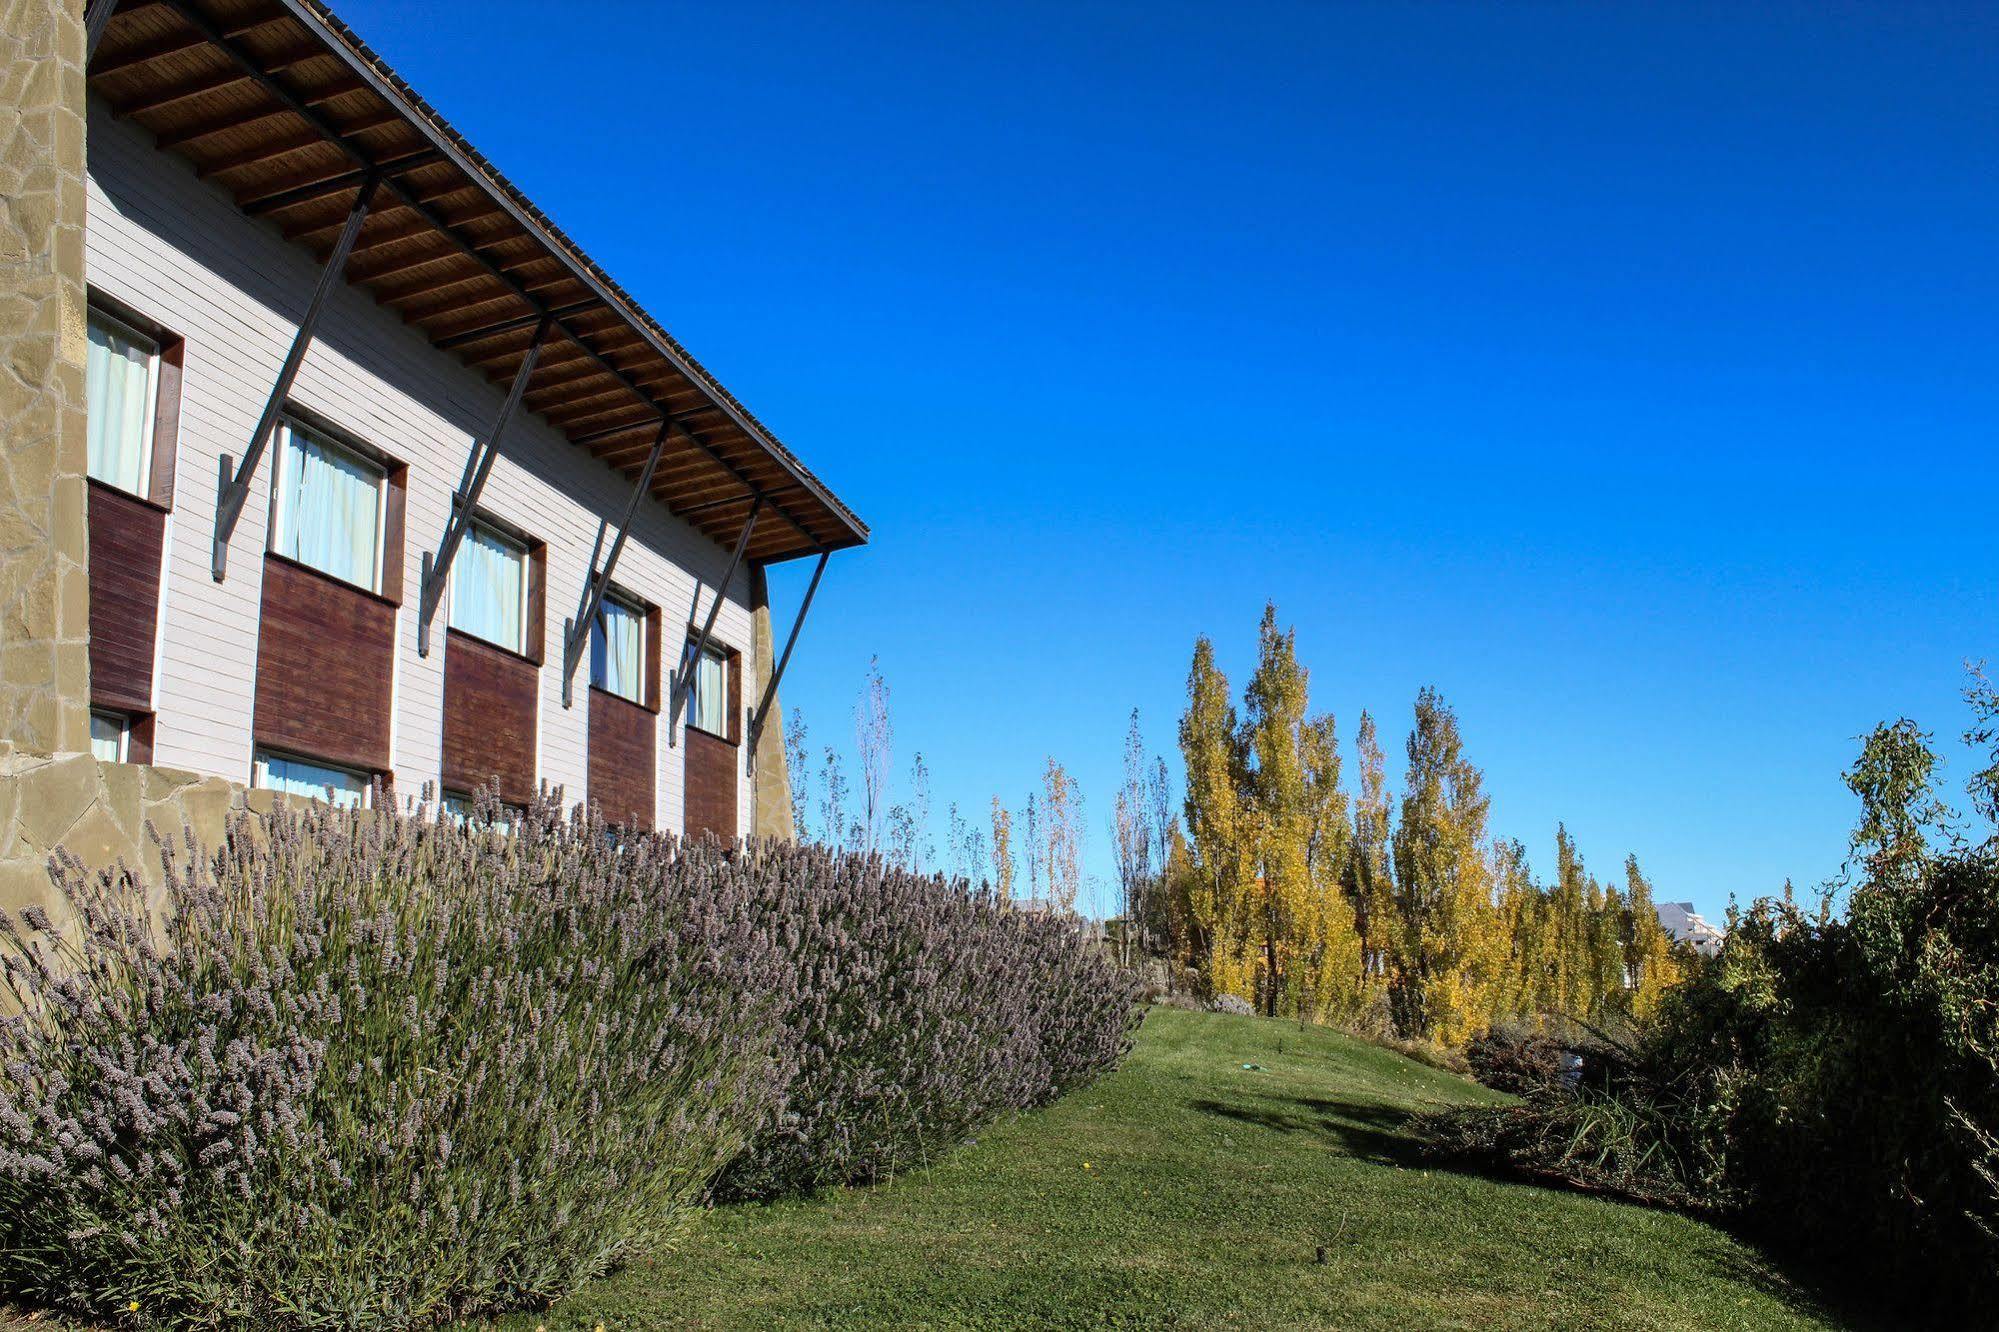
{"x":178,"y":251}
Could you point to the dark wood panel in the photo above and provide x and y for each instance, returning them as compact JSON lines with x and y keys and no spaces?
{"x":127,"y":536}
{"x":537,"y":644}
{"x":711,"y":785}
{"x":394,"y":507}
{"x":139,"y":743}
{"x":490,"y":703}
{"x":653,"y":622}
{"x":623,"y":736}
{"x":166,"y":421}
{"x":325,"y":657}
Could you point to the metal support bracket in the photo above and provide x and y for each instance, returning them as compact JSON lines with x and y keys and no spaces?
{"x":576,"y":632}
{"x":235,"y":486}
{"x":784,"y":659}
{"x":437,"y":569}
{"x":95,"y":20}
{"x":690,"y":654}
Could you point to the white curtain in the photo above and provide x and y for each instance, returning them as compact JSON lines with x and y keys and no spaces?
{"x":330,"y":509}
{"x":617,"y":651}
{"x":487,"y":582}
{"x":118,"y":374}
{"x":298,"y":777}
{"x":711,"y":695}
{"x":107,"y":737}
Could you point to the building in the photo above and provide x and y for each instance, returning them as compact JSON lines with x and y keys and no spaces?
{"x":1684,"y":925}
{"x":387,"y":482}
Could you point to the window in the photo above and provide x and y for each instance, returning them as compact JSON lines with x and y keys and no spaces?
{"x":617,"y":649}
{"x":121,"y":378}
{"x":110,"y":736}
{"x":328,"y":508}
{"x":462,"y":809}
{"x":708,"y":709}
{"x":295,"y":776}
{"x":489,"y":588}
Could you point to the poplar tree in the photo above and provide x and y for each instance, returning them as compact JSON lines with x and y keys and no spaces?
{"x":1607,"y":927}
{"x":1334,"y":985}
{"x":1281,"y":818}
{"x":1648,"y":951}
{"x":1568,"y":924}
{"x":1443,"y":883}
{"x":1521,"y":987}
{"x":1002,"y":850}
{"x":1062,"y":815}
{"x":1370,"y":887}
{"x":1216,"y":826}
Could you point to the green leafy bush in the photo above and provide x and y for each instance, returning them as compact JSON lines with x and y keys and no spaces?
{"x":1832,"y":1081}
{"x":374,"y":1071}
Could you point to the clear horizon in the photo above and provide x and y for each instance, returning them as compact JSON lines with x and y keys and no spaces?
{"x":1623,"y":372}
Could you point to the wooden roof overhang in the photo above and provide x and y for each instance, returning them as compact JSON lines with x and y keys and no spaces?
{"x":280,"y":104}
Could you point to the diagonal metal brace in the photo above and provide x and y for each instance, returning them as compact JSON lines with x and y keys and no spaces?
{"x":690,"y":655}
{"x":784,"y":660}
{"x":576,"y":632}
{"x":235,"y":486}
{"x":478,"y":465}
{"x":95,"y":19}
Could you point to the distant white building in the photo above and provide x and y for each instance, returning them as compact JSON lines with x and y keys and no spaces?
{"x":1687,"y":926}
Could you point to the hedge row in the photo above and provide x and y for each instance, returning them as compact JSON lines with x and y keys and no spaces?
{"x":379,"y":1071}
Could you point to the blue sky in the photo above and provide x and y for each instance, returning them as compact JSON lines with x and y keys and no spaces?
{"x":1625,"y":371}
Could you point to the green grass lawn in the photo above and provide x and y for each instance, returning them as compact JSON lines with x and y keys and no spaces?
{"x":1189,"y":1192}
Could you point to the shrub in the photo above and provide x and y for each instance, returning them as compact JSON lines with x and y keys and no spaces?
{"x":1593,"y":1115}
{"x":1513,"y":1057}
{"x":375,"y":1071}
{"x":1831,"y":1081}
{"x":922,"y":1009}
{"x":378,"y":1071}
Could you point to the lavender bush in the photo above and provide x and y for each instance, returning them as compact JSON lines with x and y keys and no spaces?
{"x":374,"y":1071}
{"x":920,"y":1009}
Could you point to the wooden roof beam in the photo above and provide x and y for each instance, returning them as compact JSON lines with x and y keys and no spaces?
{"x":412,"y":291}
{"x":397,"y":267}
{"x":591,"y":439}
{"x":567,"y":423}
{"x":161,"y":50}
{"x":495,"y":329}
{"x":290,"y":144}
{"x":326,"y":184}
{"x":565,"y":406}
{"x":581,"y":370}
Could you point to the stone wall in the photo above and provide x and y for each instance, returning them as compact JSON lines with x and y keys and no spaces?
{"x":52,"y":791}
{"x":770,"y":810}
{"x":99,"y":812}
{"x":44,"y":544}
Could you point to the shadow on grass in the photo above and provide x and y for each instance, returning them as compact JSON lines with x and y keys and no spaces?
{"x":1383,"y":1135}
{"x":1377,"y":1133}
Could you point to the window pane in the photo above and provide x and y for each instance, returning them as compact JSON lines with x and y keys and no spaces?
{"x":460,"y":809}
{"x":617,"y":650}
{"x":329,"y":508}
{"x":487,"y":583}
{"x":107,"y":737}
{"x":118,"y":376}
{"x":298,"y":777}
{"x":711,"y":695}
